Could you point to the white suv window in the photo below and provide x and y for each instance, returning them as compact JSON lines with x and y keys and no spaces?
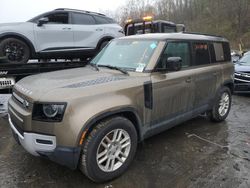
{"x":58,"y":18}
{"x":103,"y":20}
{"x":83,"y":19}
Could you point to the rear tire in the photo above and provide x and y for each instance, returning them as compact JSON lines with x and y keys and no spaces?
{"x":15,"y":50}
{"x":221,"y":106}
{"x":109,"y":149}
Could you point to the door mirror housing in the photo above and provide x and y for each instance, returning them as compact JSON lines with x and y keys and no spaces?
{"x":173,"y":64}
{"x":42,"y":21}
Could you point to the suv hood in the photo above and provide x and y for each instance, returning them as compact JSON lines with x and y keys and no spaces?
{"x":242,"y":68}
{"x":34,"y":87}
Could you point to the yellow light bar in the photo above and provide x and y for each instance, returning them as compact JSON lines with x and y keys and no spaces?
{"x":129,"y":21}
{"x":147,"y":18}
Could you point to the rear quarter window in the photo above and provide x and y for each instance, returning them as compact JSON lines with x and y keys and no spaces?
{"x":83,"y":19}
{"x":103,"y":20}
{"x":220,"y":52}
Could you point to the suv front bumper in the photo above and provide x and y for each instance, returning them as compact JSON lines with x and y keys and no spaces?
{"x":45,"y":146}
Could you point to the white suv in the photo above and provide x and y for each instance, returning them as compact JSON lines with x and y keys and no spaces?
{"x":61,"y":33}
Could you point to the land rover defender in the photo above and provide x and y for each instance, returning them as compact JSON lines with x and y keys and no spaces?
{"x":92,"y":118}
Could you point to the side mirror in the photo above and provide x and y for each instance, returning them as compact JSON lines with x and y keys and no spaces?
{"x":173,"y":64}
{"x":42,"y":21}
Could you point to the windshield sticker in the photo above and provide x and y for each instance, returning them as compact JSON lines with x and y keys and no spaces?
{"x":153,"y":46}
{"x":140,"y":67}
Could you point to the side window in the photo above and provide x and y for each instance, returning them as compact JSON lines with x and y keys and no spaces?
{"x":176,"y":49}
{"x":220,"y":51}
{"x":102,"y":20}
{"x":227,"y":51}
{"x":82,"y":19}
{"x":168,"y":29}
{"x":201,"y":53}
{"x":58,"y":18}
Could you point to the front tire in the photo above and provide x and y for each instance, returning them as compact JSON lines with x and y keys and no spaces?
{"x":15,"y":50}
{"x":109,"y":149}
{"x":222,"y":105}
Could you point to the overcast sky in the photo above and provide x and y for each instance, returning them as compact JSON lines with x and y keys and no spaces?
{"x":23,"y":10}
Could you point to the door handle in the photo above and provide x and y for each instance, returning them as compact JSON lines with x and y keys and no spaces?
{"x":99,"y":29}
{"x":66,"y":28}
{"x":188,"y":80}
{"x":215,"y":73}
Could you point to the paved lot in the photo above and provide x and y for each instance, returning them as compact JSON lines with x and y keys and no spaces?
{"x":197,"y":153}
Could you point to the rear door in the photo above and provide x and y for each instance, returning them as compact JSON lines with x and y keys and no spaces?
{"x":86,"y":32}
{"x":206,"y":72}
{"x":55,"y":35}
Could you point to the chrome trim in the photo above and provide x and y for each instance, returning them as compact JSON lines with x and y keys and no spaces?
{"x":20,"y":99}
{"x":65,"y":50}
{"x":242,"y":80}
{"x":14,"y":129}
{"x":24,"y":102}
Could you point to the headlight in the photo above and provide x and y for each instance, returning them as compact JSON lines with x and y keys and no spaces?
{"x":52,"y":112}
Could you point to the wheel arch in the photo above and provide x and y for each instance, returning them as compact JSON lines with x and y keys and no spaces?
{"x":106,"y":38}
{"x":129,"y":113}
{"x":20,"y":37}
{"x":229,"y":84}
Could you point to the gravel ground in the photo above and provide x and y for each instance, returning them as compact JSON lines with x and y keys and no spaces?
{"x":3,"y":103}
{"x":197,"y":153}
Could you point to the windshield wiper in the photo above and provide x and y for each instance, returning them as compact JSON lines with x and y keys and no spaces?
{"x":114,"y":68}
{"x":94,"y":65}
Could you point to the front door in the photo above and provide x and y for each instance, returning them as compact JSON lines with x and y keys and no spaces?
{"x":173,"y":92}
{"x":56,"y":35}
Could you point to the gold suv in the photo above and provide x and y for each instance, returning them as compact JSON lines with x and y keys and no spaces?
{"x":136,"y":87}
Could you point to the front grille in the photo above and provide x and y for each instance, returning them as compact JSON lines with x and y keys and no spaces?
{"x":17,"y":98}
{"x":242,"y":76}
{"x":22,"y":102}
{"x":6,"y":83}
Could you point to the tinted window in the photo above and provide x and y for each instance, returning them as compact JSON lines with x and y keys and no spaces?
{"x":212,"y":53}
{"x":168,"y":29}
{"x":138,"y":29}
{"x":103,"y":20}
{"x":201,"y":53}
{"x":227,"y":51}
{"x":58,"y":18}
{"x":82,"y":19}
{"x":176,"y":49}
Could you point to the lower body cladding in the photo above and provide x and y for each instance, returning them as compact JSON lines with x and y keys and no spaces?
{"x":45,"y":146}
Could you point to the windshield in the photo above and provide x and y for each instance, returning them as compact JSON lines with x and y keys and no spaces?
{"x":245,"y":60}
{"x":131,"y":55}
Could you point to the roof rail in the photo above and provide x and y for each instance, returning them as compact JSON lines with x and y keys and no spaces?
{"x":77,"y":10}
{"x":206,"y":34}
